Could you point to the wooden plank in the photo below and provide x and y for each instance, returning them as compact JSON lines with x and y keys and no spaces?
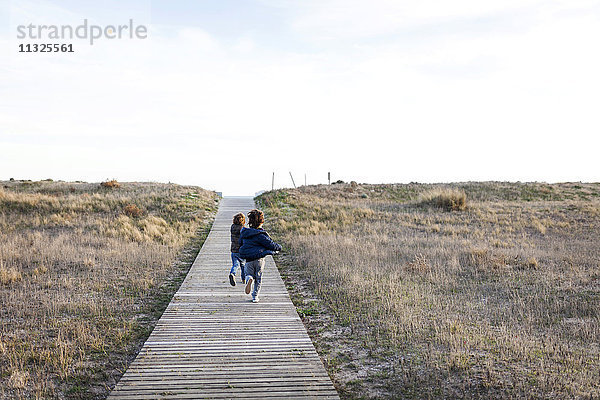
{"x":259,"y":375}
{"x":212,"y":342}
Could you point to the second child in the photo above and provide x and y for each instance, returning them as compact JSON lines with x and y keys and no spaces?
{"x":238,"y":223}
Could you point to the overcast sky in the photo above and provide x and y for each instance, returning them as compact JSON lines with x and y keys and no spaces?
{"x":223,"y":93}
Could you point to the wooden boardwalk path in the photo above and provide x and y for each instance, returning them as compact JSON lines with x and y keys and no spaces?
{"x":213,"y":342}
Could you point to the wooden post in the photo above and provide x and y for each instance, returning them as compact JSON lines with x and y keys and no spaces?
{"x":273,"y":182}
{"x":294,"y":183}
{"x":329,"y":177}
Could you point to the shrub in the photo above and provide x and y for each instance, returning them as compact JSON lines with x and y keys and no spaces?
{"x":131,"y":210}
{"x":112,"y":184}
{"x":447,"y":199}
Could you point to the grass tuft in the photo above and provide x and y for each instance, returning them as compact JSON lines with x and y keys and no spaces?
{"x":112,"y":184}
{"x":131,"y":210}
{"x":9,"y":275}
{"x":446,"y":199}
{"x":18,"y":379}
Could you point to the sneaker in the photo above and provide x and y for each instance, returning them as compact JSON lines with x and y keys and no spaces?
{"x":232,"y":279}
{"x":255,"y":300}
{"x":249,"y":285}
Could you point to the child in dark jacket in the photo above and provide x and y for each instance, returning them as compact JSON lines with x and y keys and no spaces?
{"x":255,"y":245}
{"x":238,"y":223}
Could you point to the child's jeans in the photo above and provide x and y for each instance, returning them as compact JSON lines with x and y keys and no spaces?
{"x":238,"y":262}
{"x":254,"y":269}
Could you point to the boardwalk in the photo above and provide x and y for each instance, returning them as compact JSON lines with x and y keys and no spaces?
{"x":212,"y":342}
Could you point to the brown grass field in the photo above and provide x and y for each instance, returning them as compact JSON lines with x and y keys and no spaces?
{"x":466,"y":290}
{"x":85,"y":272}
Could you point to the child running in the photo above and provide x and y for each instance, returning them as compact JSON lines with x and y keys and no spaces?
{"x":238,"y":223}
{"x":255,"y":245}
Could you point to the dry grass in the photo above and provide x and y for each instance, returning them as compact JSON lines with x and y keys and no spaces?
{"x":84,"y":275}
{"x":500,"y":300}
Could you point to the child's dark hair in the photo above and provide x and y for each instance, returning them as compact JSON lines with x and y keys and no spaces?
{"x":239,"y":219}
{"x":255,"y":218}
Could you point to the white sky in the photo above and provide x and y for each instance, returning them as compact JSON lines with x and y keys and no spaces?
{"x":222,"y":93}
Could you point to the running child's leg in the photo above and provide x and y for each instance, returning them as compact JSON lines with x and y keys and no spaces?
{"x":258,"y":277}
{"x":243,"y":269}
{"x":250,"y":269}
{"x":235,"y":260}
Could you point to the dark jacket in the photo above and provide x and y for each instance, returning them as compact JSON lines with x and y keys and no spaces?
{"x":256,"y":243}
{"x":235,"y":238}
